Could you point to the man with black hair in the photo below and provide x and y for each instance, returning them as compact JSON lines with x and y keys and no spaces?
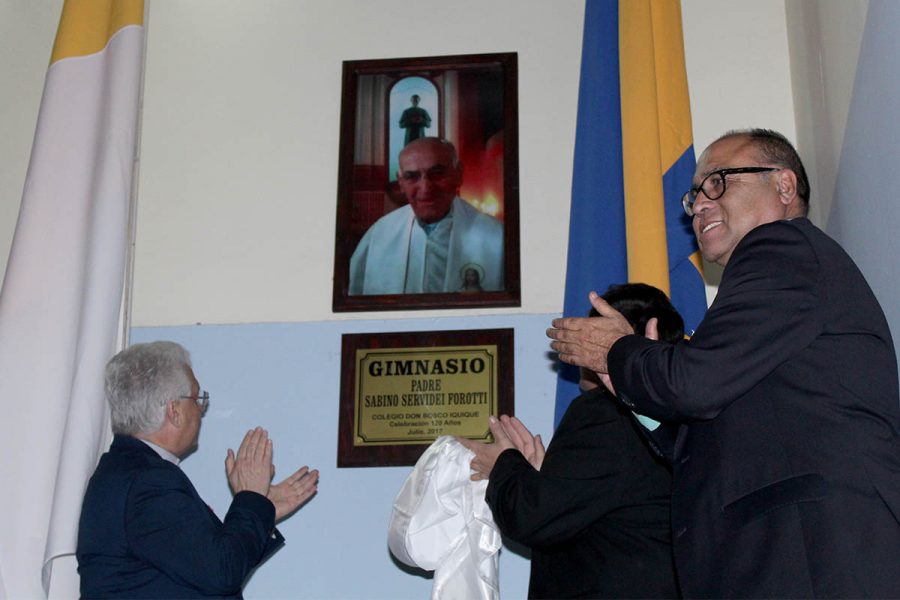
{"x":595,"y":509}
{"x":414,"y":120}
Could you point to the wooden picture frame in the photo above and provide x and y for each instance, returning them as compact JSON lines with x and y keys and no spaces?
{"x":470,"y":101}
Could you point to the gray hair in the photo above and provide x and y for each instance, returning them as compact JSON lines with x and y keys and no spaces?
{"x":774,"y":148}
{"x":141,"y":380}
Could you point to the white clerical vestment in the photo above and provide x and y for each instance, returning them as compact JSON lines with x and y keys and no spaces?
{"x":392,"y":258}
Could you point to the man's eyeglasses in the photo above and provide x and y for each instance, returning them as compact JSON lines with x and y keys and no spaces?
{"x":713,"y":185}
{"x":202,"y":399}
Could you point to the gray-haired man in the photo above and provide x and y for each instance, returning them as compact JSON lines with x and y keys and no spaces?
{"x":144,"y":530}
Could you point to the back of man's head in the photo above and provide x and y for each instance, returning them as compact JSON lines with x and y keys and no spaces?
{"x":638,"y":303}
{"x":141,"y":380}
{"x":775,"y":149}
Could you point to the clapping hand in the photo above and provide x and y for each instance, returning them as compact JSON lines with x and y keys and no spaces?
{"x":531,"y":446}
{"x":251,"y":469}
{"x":508,"y":433}
{"x":486,"y":454}
{"x":291,"y":493}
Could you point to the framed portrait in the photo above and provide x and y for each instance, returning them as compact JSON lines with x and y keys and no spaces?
{"x":401,"y":391}
{"x":428,"y":184}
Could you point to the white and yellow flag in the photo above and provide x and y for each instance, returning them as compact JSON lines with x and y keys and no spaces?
{"x":61,"y":298}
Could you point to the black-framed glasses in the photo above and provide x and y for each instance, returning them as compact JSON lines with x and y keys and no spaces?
{"x":202,"y":399}
{"x":713,"y":185}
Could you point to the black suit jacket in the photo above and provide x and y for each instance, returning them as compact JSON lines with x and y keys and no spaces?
{"x":146,"y":533}
{"x":596,"y":516}
{"x":787,"y":464}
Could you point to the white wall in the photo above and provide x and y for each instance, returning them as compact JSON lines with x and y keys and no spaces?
{"x":736,"y":54}
{"x":27,"y":30}
{"x":240,"y":145}
{"x":238,"y":180}
{"x":241,"y":116}
{"x":737,"y":63}
{"x":824,"y":48}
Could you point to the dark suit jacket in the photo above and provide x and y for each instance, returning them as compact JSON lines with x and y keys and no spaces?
{"x":596,"y":516}
{"x":146,"y":533}
{"x":787,"y":466}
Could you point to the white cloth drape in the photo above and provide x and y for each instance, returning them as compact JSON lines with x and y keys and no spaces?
{"x":62,"y":295}
{"x":441,"y":523}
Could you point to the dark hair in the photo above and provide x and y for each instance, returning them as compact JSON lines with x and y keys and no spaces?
{"x":638,"y":303}
{"x":775,"y":149}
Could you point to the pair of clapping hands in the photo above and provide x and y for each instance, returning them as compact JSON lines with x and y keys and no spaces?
{"x":251,"y":470}
{"x":580,"y":341}
{"x":508,"y":432}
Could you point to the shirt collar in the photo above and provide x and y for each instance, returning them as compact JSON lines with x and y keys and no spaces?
{"x":163,"y":453}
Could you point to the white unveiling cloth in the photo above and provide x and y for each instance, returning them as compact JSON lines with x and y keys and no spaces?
{"x":441,"y":523}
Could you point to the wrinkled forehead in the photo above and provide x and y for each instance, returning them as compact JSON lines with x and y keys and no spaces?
{"x":735,"y":151}
{"x":424,"y":156}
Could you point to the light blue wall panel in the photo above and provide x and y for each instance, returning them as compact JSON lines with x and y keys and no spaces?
{"x":286,"y":377}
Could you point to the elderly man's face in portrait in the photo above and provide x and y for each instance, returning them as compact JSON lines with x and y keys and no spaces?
{"x":750,"y":199}
{"x":428,"y":178}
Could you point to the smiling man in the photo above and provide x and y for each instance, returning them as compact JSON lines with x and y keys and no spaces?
{"x":787,"y":462}
{"x":719,"y":226}
{"x":433,"y":243}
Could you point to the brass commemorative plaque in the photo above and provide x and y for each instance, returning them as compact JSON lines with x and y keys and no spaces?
{"x":401,"y":391}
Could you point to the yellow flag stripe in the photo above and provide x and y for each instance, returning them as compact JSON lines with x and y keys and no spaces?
{"x":673,"y":102}
{"x":676,"y":132}
{"x":86,"y":26}
{"x":645,"y":224}
{"x":697,"y":261}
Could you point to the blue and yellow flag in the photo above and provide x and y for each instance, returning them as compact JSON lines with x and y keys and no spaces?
{"x":634,"y":157}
